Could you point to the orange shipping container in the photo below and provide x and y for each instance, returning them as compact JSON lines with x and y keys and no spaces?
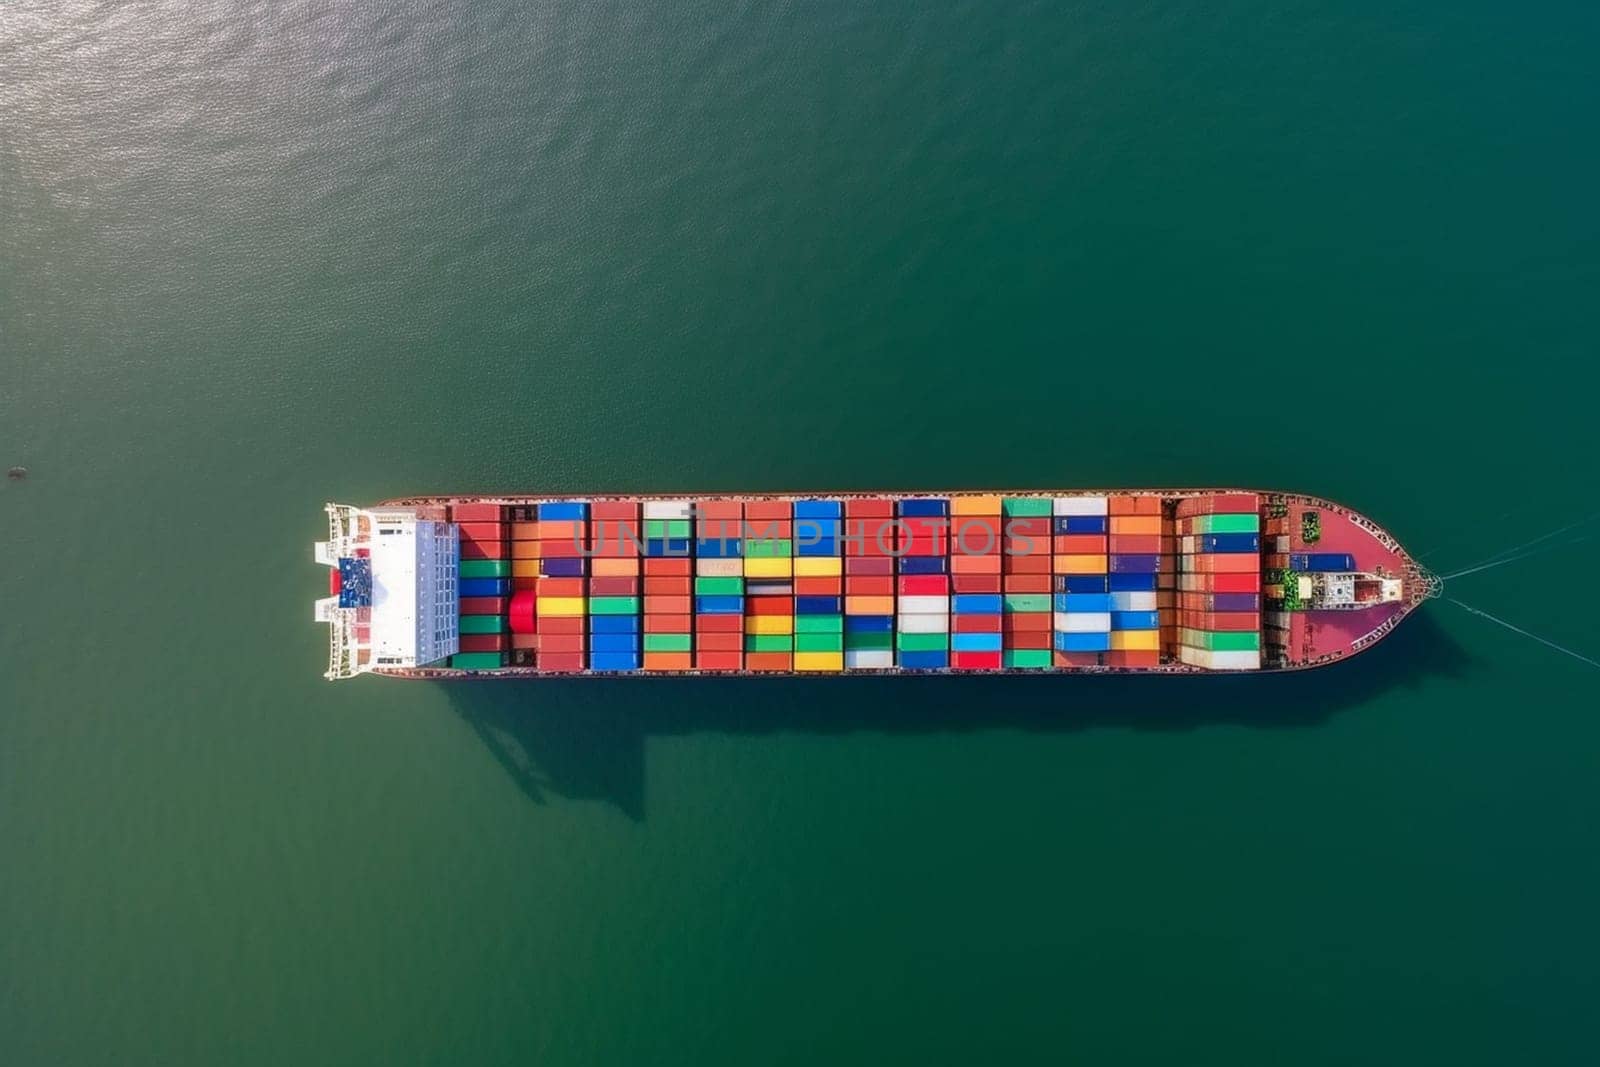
{"x":669,"y":624}
{"x":668,"y":661}
{"x":1136,"y":524}
{"x":975,"y":564}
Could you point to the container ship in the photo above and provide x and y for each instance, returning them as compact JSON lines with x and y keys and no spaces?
{"x":1151,"y":581}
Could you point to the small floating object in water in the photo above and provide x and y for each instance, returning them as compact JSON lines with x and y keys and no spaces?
{"x":16,"y":474}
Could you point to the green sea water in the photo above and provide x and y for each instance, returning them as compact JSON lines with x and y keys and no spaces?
{"x":258,"y":256}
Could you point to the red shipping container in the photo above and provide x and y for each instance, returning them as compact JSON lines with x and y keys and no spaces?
{"x":1029,"y":639}
{"x":483,"y":550}
{"x":869,"y":537}
{"x":549,"y":642}
{"x":975,"y":536}
{"x":1122,"y":504}
{"x":924,"y":537}
{"x":975,"y":564}
{"x":767,"y":510}
{"x":1027,"y":564}
{"x":1079,"y":544}
{"x":1136,"y":544}
{"x":668,"y":605}
{"x":869,"y":585}
{"x":668,"y":585}
{"x":719,"y":529}
{"x":610,"y":540}
{"x":1226,"y":621}
{"x":668,"y":624}
{"x":1029,"y":583}
{"x":619,"y":510}
{"x":768,"y":605}
{"x":482,"y":531}
{"x":561,"y":549}
{"x":524,"y":640}
{"x":1077,"y":659}
{"x":484,"y":605}
{"x":1133,"y":658}
{"x":655,"y":566}
{"x":521,"y":613}
{"x":818,"y":586}
{"x":768,"y":661}
{"x":975,"y":624}
{"x":868,"y":566}
{"x":727,"y":624}
{"x":1016,"y":622}
{"x":476,"y":512}
{"x":1037,"y":528}
{"x":976,"y":583}
{"x":767,"y":529}
{"x":705,"y":642}
{"x":561,"y":587}
{"x":976,"y":661}
{"x":560,"y":661}
{"x":613,"y":587}
{"x":484,"y":642}
{"x":719,"y":661}
{"x":564,"y":624}
{"x":924,"y":585}
{"x":720,"y":510}
{"x":868,"y":507}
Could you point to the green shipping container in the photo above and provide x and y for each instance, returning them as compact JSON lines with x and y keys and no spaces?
{"x":819,"y":624}
{"x":666,"y":642}
{"x":719,"y":587}
{"x":922,"y":642}
{"x":1027,"y":602}
{"x":655,"y":529}
{"x":869,"y":642}
{"x":1231,"y":642}
{"x":1027,"y":657}
{"x":1227,"y":523}
{"x":769,"y":549}
{"x":1026,"y":507}
{"x":485,"y":568}
{"x":613,"y":605}
{"x":768,"y":643}
{"x":819,"y":642}
{"x":476,"y":661}
{"x":483,"y":624}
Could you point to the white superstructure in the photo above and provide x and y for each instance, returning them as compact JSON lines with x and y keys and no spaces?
{"x":398,"y":600}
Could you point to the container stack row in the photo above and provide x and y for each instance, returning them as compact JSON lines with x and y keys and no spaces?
{"x":719,"y":586}
{"x":1134,"y":541}
{"x":922,"y":638}
{"x":561,"y":591}
{"x":769,"y":585}
{"x":1219,"y":553}
{"x":868,"y":542}
{"x":1082,"y":599}
{"x":1026,"y":563}
{"x":484,"y":586}
{"x":818,"y":586}
{"x":615,"y":625}
{"x":977,"y":607}
{"x":669,"y":537}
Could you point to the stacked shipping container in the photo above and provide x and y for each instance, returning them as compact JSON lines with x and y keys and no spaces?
{"x":976,"y":630}
{"x":1026,"y":562}
{"x":523,"y":621}
{"x":561,"y":593}
{"x":615,"y":600}
{"x":769,"y":585}
{"x":868,"y":542}
{"x":1219,"y":613}
{"x":719,"y":586}
{"x":484,"y":586}
{"x":1082,"y":598}
{"x":1134,"y":541}
{"x":922,"y":639}
{"x":818,"y":586}
{"x":668,"y":585}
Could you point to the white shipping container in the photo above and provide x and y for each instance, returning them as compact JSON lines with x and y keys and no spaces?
{"x":1083,"y":622}
{"x":924,"y":605}
{"x":1081,"y":505}
{"x":1224,"y":661}
{"x":868,"y":658}
{"x":1143,"y":601}
{"x":923,"y":624}
{"x":1186,"y":544}
{"x":719,"y":568}
{"x":666,"y":509}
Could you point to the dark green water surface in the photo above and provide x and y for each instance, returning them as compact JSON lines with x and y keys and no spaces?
{"x":257,"y":256}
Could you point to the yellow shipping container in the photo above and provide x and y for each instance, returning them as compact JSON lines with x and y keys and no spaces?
{"x":869,"y":605}
{"x":561,"y":606}
{"x":817,"y":567}
{"x":1136,"y":640}
{"x":1136,"y":524}
{"x":819,"y":661}
{"x":1080,"y":564}
{"x":524,"y":568}
{"x":975,"y":505}
{"x":766,"y":624}
{"x":760,"y":567}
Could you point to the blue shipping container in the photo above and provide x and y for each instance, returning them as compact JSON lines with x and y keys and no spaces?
{"x":1235,"y":602}
{"x":1081,"y":583}
{"x":614,"y":642}
{"x":818,"y":605}
{"x":719,"y":605}
{"x":1093,"y":603}
{"x":667,"y":546}
{"x":924,"y":508}
{"x":975,"y":642}
{"x":484,"y":586}
{"x":818,"y":509}
{"x":1132,"y":583}
{"x":924,"y":661}
{"x":1231,"y":542}
{"x":718,"y":548}
{"x":923,"y":565}
{"x":566,"y":567}
{"x":1135,"y":620}
{"x":1141,"y":563}
{"x":869,"y":624}
{"x":1083,"y":642}
{"x":1322,"y":562}
{"x":977,"y":603}
{"x":564,"y":510}
{"x":615,"y":661}
{"x":614,"y":624}
{"x":827,"y":546}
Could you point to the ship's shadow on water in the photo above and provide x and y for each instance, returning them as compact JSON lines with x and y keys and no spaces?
{"x":584,"y":738}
